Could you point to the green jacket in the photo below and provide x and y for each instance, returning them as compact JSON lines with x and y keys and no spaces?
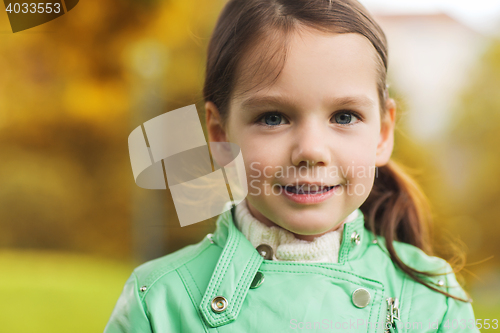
{"x":363,"y":292}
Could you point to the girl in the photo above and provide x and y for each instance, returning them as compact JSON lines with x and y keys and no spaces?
{"x":333,"y":234}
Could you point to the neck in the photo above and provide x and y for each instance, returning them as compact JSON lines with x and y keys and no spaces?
{"x":285,"y":245}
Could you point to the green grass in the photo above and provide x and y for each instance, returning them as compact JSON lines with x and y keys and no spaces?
{"x":58,"y":292}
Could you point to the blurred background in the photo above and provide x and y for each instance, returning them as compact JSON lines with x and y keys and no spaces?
{"x":73,"y":224}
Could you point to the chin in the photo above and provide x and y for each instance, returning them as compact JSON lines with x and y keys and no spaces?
{"x":309,"y":230}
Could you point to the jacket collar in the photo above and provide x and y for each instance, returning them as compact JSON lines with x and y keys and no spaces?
{"x":239,"y":262}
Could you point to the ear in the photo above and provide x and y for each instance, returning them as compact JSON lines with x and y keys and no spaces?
{"x":221,"y":153}
{"x":215,"y":128}
{"x":386,"y":142}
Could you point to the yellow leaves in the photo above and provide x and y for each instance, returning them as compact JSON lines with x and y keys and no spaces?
{"x":146,"y":57}
{"x":97,"y":101}
{"x":67,"y":91}
{"x":169,"y":25}
{"x":174,"y":22}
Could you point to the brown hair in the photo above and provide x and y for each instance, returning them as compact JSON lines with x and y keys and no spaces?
{"x":396,"y":208}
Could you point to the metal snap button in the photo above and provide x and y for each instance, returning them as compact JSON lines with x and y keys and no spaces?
{"x":219,"y":304}
{"x":356,"y":238}
{"x":265,"y":251}
{"x":209,"y":236}
{"x":361,"y":297}
{"x":257,"y":280}
{"x":144,"y":288}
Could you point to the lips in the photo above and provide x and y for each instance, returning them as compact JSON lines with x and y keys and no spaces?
{"x":305,"y":189}
{"x":308,"y":194}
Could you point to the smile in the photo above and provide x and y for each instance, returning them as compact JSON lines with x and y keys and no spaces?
{"x":308,"y":189}
{"x":309,"y":195}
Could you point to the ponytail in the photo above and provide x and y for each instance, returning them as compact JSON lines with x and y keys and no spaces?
{"x":397,"y":210}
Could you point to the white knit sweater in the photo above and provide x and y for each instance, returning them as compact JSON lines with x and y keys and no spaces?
{"x":284,"y":244}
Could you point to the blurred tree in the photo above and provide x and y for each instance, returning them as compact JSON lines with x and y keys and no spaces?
{"x":66,"y":94}
{"x":427,"y":165}
{"x":473,"y":147}
{"x":65,"y":103}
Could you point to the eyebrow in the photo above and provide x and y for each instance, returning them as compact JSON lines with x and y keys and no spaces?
{"x":257,"y":101}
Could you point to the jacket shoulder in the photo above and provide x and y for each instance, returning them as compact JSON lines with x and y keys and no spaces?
{"x":144,"y":294}
{"x":416,"y":258}
{"x":411,"y":255}
{"x":151,"y":271}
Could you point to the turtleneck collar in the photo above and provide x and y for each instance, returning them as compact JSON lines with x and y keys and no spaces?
{"x":285,"y":246}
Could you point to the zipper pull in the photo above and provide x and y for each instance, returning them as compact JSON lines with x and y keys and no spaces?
{"x":392,"y":313}
{"x":395,"y":310}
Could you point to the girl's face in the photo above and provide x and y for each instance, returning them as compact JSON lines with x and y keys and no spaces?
{"x":316,"y":127}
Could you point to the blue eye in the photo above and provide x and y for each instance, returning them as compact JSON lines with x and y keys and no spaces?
{"x":272,"y":119}
{"x":345,"y":118}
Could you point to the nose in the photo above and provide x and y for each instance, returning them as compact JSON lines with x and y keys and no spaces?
{"x":310,"y":145}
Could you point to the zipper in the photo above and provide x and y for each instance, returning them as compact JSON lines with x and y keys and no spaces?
{"x":392,"y":314}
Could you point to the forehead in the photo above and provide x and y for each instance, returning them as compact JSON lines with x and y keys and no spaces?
{"x":318,"y":65}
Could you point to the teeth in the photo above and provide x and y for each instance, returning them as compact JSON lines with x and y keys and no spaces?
{"x":313,"y":189}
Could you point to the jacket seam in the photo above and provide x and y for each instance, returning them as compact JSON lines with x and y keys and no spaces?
{"x":332,"y":277}
{"x":192,"y":277}
{"x":338,"y":278}
{"x":191,"y":294}
{"x":239,"y":289}
{"x":157,"y":274}
{"x":378,"y":317}
{"x":213,"y":286}
{"x":143,"y":304}
{"x":306,"y":264}
{"x":403,"y":302}
{"x":444,"y":316}
{"x":447,"y":305}
{"x":245,"y":278}
{"x":410,"y":298}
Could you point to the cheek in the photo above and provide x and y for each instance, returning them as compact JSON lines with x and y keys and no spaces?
{"x":260,"y":166}
{"x":360,"y":160}
{"x":362,"y":146}
{"x":261,"y":163}
{"x":364,"y":155}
